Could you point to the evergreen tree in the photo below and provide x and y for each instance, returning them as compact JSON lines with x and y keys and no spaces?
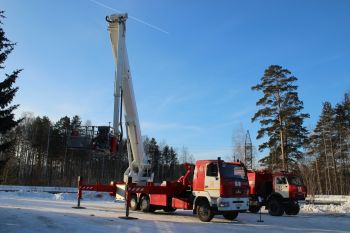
{"x":166,"y":155}
{"x":173,"y":157}
{"x":323,"y":139}
{"x":63,"y":125}
{"x":75,"y":123}
{"x":152,"y":150}
{"x":7,"y":92}
{"x":328,"y":149}
{"x":280,"y":117}
{"x":346,"y":106}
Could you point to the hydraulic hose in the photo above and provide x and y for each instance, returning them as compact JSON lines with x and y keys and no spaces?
{"x":121,"y":116}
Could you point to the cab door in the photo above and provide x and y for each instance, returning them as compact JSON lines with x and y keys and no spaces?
{"x":281,"y":186}
{"x":212,"y":180}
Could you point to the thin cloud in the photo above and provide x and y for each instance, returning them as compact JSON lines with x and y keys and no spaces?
{"x":131,"y":17}
{"x":171,"y":100}
{"x":234,"y":119}
{"x":166,"y":126}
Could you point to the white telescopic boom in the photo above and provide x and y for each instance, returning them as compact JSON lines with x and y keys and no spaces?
{"x":138,"y":165}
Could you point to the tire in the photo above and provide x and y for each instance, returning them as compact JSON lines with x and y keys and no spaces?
{"x":169,"y":209}
{"x":204,"y":212}
{"x":230,"y":215}
{"x":292,"y":209}
{"x":134,"y":205}
{"x":145,"y":205}
{"x":275,"y":208}
{"x":254,"y":209}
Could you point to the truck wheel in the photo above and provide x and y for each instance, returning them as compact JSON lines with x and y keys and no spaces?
{"x":145,"y":205}
{"x":275,"y":208}
{"x":254,"y":209}
{"x":230,"y":215}
{"x":133,"y":203}
{"x":204,"y":212}
{"x":169,"y":209}
{"x":292,"y":209}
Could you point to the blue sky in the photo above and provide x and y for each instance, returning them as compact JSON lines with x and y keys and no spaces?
{"x":192,"y":76}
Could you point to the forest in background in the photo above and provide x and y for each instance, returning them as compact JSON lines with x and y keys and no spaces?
{"x":41,"y":155}
{"x":37,"y":151}
{"x":325,"y":166}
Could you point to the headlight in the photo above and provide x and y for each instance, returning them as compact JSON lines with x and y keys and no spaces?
{"x":224,"y":204}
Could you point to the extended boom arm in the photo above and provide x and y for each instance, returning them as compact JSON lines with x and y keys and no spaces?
{"x":139,"y":167}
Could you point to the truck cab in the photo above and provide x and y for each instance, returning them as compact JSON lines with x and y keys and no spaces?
{"x":219,"y":188}
{"x":289,"y":186}
{"x":280,"y":192}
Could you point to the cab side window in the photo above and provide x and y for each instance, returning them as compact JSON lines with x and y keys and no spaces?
{"x":281,"y":180}
{"x":212,"y":169}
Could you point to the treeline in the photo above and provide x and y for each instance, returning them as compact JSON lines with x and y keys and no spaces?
{"x":40,"y":155}
{"x":326,"y":164}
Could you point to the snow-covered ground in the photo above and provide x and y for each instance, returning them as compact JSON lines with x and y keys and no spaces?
{"x":44,"y":212}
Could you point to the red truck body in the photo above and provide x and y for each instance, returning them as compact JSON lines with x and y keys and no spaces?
{"x":217,"y":188}
{"x":280,"y":192}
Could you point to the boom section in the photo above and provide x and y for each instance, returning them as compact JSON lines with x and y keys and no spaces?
{"x":139,"y":167}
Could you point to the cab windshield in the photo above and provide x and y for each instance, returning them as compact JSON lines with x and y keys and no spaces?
{"x":295,"y":180}
{"x":233,"y":171}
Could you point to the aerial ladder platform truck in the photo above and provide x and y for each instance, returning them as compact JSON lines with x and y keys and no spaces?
{"x":217,"y":187}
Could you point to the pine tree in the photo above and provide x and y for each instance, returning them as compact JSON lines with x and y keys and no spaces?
{"x":63,"y":125}
{"x":340,"y":139}
{"x":165,"y":156}
{"x":173,"y":157}
{"x":280,"y":117}
{"x":75,"y":122}
{"x":323,"y":139}
{"x":7,"y":92}
{"x":152,"y":150}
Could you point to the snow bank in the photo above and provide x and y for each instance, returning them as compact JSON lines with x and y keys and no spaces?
{"x":91,"y":196}
{"x":52,"y":193}
{"x":328,"y":198}
{"x":328,"y":209}
{"x":327,"y":204}
{"x":38,"y":189}
{"x":87,"y":195}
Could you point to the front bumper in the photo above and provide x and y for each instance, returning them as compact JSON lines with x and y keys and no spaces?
{"x":233,"y":204}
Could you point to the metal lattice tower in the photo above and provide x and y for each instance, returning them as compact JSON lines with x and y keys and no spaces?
{"x":248,"y":151}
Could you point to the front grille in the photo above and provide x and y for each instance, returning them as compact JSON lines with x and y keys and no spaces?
{"x":238,"y":202}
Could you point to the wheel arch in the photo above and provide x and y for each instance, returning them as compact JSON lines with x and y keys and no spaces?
{"x":273,"y":196}
{"x":198,"y":200}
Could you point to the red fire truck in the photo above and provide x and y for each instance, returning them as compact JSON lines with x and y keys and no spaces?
{"x":217,"y":187}
{"x":280,"y":192}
